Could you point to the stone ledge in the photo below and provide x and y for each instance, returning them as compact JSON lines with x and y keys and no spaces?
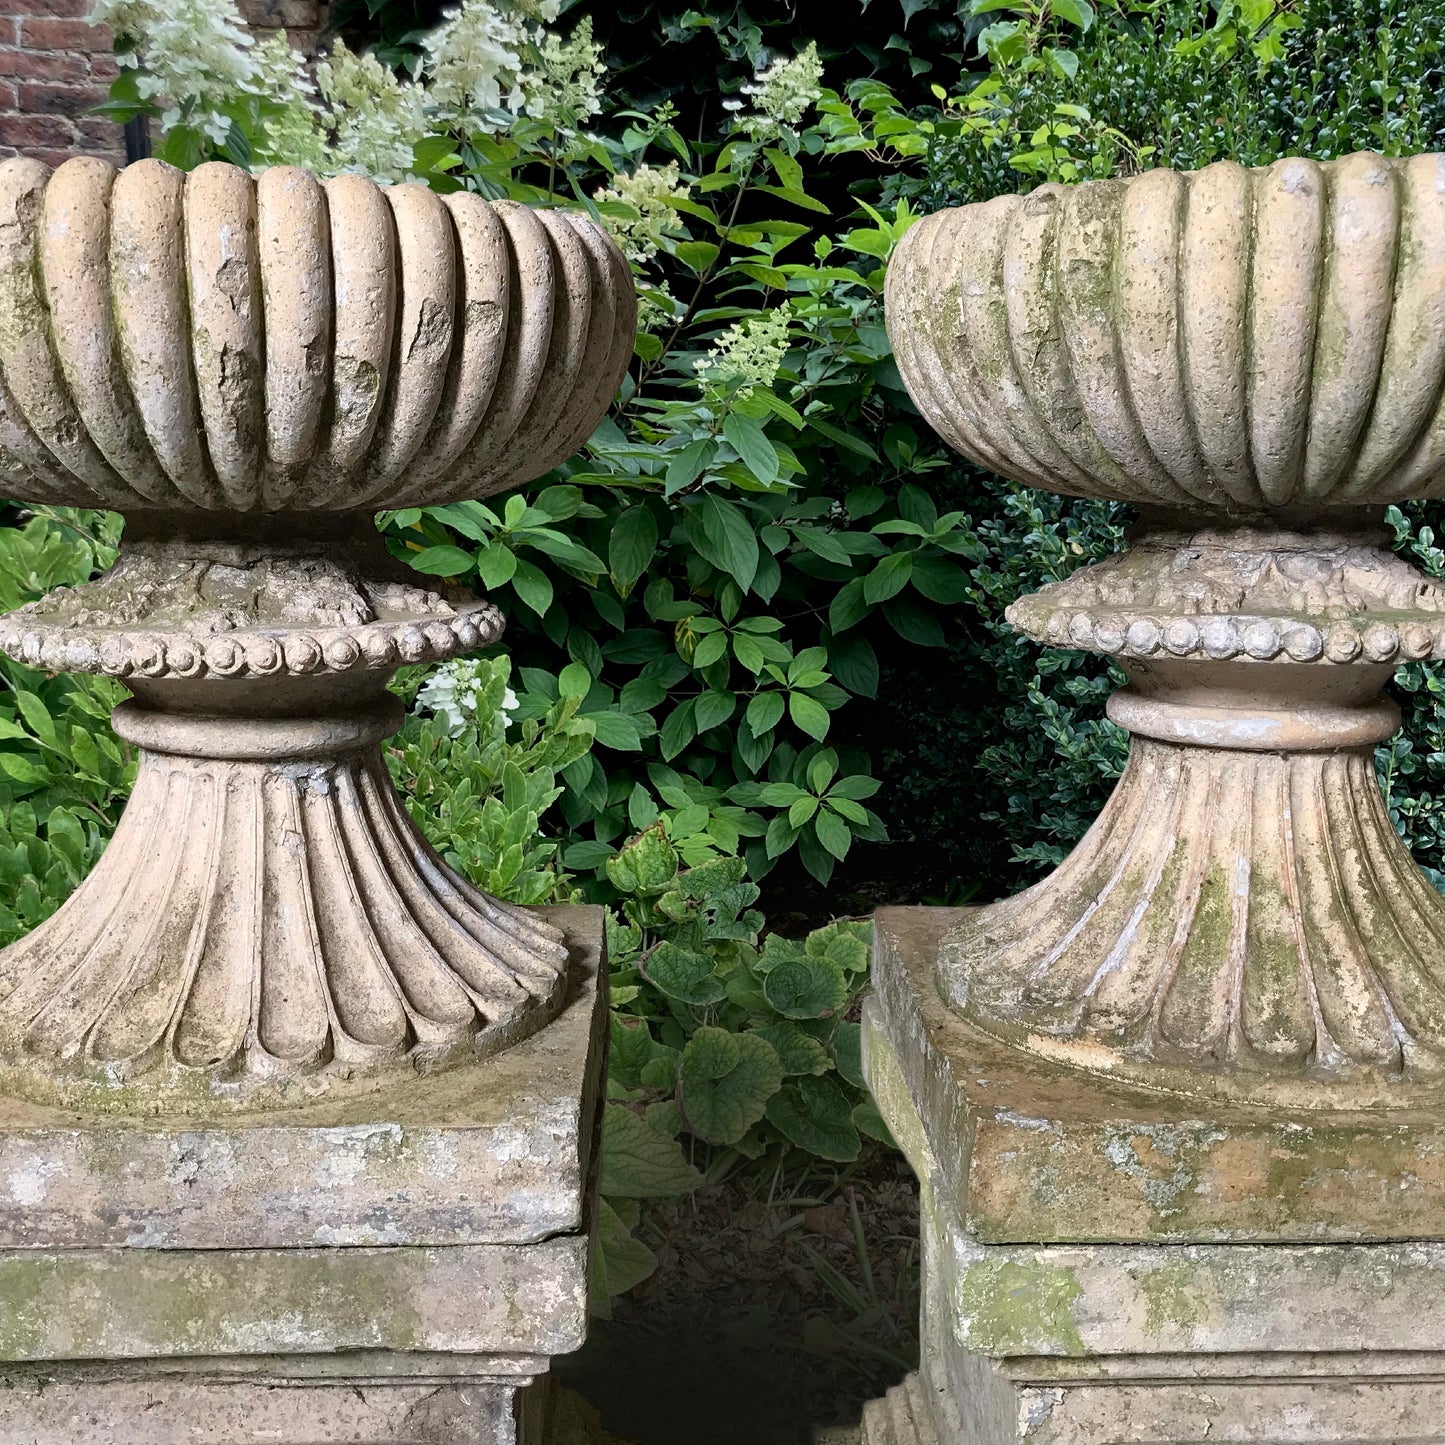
{"x":50,"y":1411}
{"x":118,"y":1304}
{"x":495,"y":1153}
{"x":1025,"y":1151}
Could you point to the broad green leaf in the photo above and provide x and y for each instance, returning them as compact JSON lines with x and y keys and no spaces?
{"x":806,"y":988}
{"x":23,"y":769}
{"x":442,"y":561}
{"x":765,"y":711}
{"x":816,"y":1114}
{"x":887,"y":579}
{"x":496,"y":564}
{"x":798,"y":1053}
{"x":849,"y":606}
{"x":696,"y":255}
{"x":638,"y":1162}
{"x":748,"y":439}
{"x":631,"y":546}
{"x":867,"y":1120}
{"x":808,"y":714}
{"x":647,"y":865}
{"x":620,"y":1262}
{"x":725,"y":1082}
{"x":628,"y":1050}
{"x":713,"y":708}
{"x":848,"y":1054}
{"x":533,"y":587}
{"x":722,"y":533}
{"x":833,"y":833}
{"x":684,"y":974}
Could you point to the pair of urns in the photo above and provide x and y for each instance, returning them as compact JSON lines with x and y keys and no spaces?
{"x":249,"y":367}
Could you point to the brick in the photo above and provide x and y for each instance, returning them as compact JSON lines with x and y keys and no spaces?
{"x":43,"y":65}
{"x":103,"y":68}
{"x":281,"y":14}
{"x":95,"y":134}
{"x":49,"y":33}
{"x":9,"y":99}
{"x":26,"y":131}
{"x":59,"y":99}
{"x":65,"y":9}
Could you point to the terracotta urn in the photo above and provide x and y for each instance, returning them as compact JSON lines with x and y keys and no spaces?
{"x":248,"y":368}
{"x":1255,"y":359}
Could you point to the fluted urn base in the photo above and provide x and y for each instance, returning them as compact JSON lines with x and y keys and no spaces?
{"x":266,"y":923}
{"x":1243,"y":917}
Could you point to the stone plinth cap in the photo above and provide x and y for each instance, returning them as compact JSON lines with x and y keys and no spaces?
{"x":1020,"y":1149}
{"x":500,"y":1152}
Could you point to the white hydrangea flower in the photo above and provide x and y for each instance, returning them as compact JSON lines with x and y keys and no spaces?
{"x":749,"y":354}
{"x":649,"y":192}
{"x":377,"y":118}
{"x":452,"y":694}
{"x":296,"y":136}
{"x":782,"y":93}
{"x":474,"y":59}
{"x":196,"y":54}
{"x":565,"y":89}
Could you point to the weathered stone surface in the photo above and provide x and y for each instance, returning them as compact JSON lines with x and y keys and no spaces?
{"x":240,"y":362}
{"x":1226,"y":339}
{"x":497,"y":1152}
{"x":58,"y":1411}
{"x":1033,"y":1151}
{"x":153,"y":1304}
{"x":1180,"y":1308}
{"x":245,"y":314}
{"x":1253,"y":358}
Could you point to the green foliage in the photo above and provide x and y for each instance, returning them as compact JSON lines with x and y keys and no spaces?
{"x":478,"y":789}
{"x":64,"y":775}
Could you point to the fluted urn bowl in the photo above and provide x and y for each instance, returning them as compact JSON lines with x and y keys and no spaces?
{"x":248,"y":367}
{"x":215,"y":341}
{"x":1232,"y":340}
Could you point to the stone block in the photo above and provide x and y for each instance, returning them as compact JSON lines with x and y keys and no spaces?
{"x":1106,"y":1263}
{"x":394,"y":1269}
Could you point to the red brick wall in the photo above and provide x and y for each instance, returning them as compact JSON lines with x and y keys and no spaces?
{"x":54,"y":67}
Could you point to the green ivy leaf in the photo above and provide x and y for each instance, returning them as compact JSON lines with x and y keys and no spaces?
{"x":684,"y":974}
{"x":806,"y":988}
{"x":638,"y":1162}
{"x":817,"y":1115}
{"x":725,"y":1082}
{"x":797,"y":1052}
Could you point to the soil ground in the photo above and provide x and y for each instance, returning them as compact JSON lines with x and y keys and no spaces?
{"x":764,"y":1318}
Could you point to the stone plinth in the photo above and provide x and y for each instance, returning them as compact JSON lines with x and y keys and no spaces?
{"x":1104,"y":1261}
{"x":394,"y":1269}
